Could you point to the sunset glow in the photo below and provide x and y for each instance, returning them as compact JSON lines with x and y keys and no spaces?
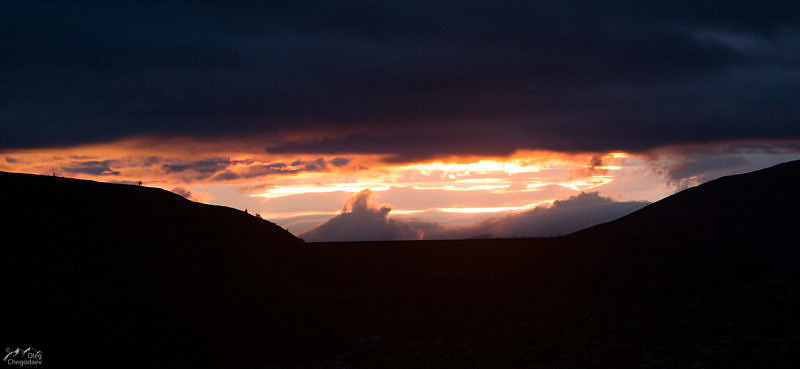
{"x":298,"y":187}
{"x":299,"y":191}
{"x":495,"y":209}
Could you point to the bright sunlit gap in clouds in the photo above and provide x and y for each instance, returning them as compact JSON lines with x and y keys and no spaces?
{"x":513,"y":175}
{"x":461,"y":190}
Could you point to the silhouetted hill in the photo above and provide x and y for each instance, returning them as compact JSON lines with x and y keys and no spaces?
{"x":705,"y":278}
{"x":77,"y":209}
{"x":111,"y":266}
{"x":750,"y":217}
{"x":760,"y":206}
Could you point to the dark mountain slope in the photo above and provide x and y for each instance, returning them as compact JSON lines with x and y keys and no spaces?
{"x":55,"y":203}
{"x":147,"y":279}
{"x":129,"y":273}
{"x":742,"y":223}
{"x":760,"y":206}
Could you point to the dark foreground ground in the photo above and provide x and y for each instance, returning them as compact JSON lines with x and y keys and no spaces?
{"x":100,"y":275}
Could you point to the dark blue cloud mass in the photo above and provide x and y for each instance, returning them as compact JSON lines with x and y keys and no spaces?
{"x":406,"y":79}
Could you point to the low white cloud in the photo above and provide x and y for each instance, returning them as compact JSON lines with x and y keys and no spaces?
{"x":361,"y":221}
{"x":564,"y":216}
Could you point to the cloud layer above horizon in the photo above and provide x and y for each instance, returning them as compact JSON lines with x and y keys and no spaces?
{"x":409,"y":81}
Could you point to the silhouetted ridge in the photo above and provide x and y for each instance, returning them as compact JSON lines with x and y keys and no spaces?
{"x":762,"y":205}
{"x":119,"y":212}
{"x":103,"y":264}
{"x":708,"y":277}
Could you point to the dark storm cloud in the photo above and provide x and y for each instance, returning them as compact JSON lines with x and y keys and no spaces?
{"x":92,"y":167}
{"x":183,"y":192}
{"x":592,"y":168}
{"x":339,"y":162}
{"x":405,"y":79}
{"x":312,"y":165}
{"x":297,"y":166}
{"x":682,"y":171}
{"x":688,"y":166}
{"x":257,"y":171}
{"x":206,"y":166}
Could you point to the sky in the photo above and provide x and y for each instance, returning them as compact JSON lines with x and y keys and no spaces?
{"x":456,"y":117}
